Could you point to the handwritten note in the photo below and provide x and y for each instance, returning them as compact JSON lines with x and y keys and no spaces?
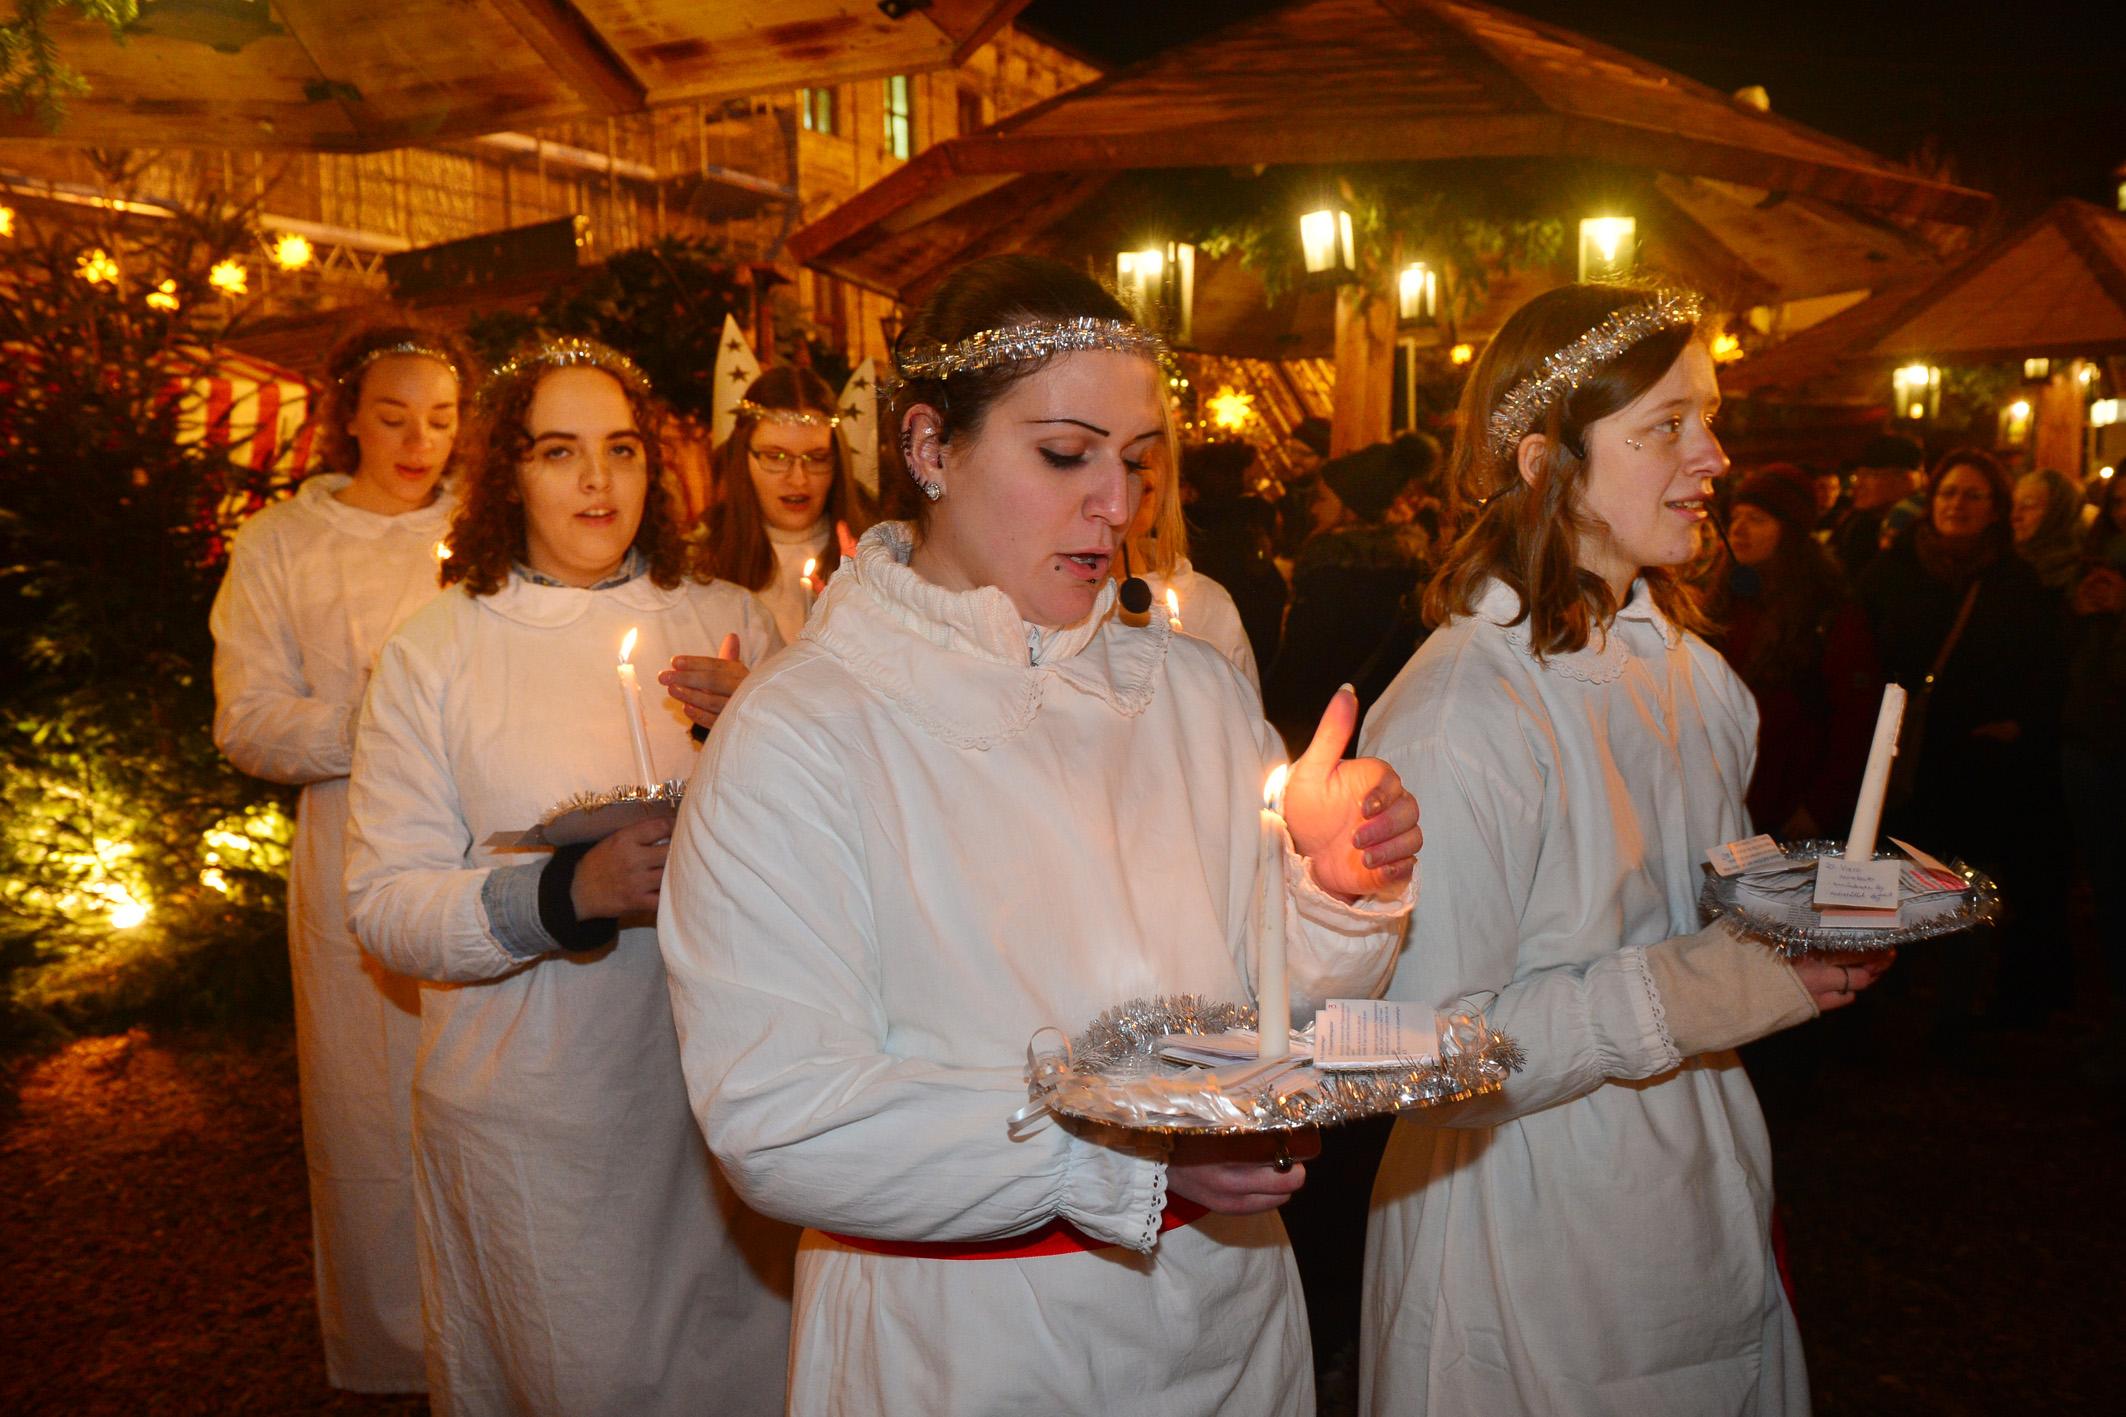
{"x":1867,"y":885}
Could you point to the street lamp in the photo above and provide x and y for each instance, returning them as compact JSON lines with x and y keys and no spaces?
{"x":1158,"y":284}
{"x":2037,"y":371}
{"x":1326,"y":244}
{"x":1918,"y":390}
{"x":2015,"y":423}
{"x":1417,"y":295}
{"x":1607,"y":247}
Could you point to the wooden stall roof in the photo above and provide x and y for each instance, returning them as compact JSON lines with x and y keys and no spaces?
{"x":2054,"y":286}
{"x":1349,"y":81}
{"x":353,"y":75}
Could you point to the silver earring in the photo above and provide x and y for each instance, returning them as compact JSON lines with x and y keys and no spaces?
{"x":932,"y":490}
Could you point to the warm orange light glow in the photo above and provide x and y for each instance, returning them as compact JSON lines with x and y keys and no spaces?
{"x":96,"y":267}
{"x":229,"y":277}
{"x":1273,"y":790}
{"x":1173,"y":607}
{"x":1461,"y":354}
{"x":1726,"y":348}
{"x":292,"y":251}
{"x":442,"y":551}
{"x":627,"y":645}
{"x":1230,"y":409}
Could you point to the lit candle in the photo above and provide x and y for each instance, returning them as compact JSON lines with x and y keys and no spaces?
{"x":1273,"y":991}
{"x":811,"y":588}
{"x":638,"y":730}
{"x":1173,"y":609}
{"x":1875,"y":782}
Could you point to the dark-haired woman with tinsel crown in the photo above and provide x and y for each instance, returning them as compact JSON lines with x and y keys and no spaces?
{"x":1595,"y":1237}
{"x":580,"y":1255}
{"x":315,"y":586}
{"x":969,"y":804}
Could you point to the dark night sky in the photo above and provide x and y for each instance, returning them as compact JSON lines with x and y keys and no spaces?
{"x":2027,"y":100}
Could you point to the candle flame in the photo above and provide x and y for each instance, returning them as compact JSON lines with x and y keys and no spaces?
{"x":627,"y":646}
{"x":1173,"y":605}
{"x":811,"y":565}
{"x":1273,"y":790}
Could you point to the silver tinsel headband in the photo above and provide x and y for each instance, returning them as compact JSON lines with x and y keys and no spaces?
{"x":425,"y":349}
{"x":804,"y":417}
{"x":566,"y":353}
{"x":1026,"y":344}
{"x":1566,"y":369}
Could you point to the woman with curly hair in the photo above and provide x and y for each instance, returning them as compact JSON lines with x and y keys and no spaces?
{"x":783,"y":495}
{"x":579,"y":1252}
{"x":315,"y":586}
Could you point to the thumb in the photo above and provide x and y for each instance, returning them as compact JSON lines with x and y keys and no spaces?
{"x":1338,"y":721}
{"x":729,"y":648}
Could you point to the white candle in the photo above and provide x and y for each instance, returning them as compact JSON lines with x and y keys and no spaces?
{"x":1875,"y":782}
{"x":638,"y":730}
{"x":1273,"y":991}
{"x":1173,"y":609}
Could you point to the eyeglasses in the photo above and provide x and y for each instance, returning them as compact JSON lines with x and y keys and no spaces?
{"x":778,"y":460}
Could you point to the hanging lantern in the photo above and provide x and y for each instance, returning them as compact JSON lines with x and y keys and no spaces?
{"x":1918,"y":391}
{"x":1417,"y":295}
{"x":2037,"y":371}
{"x":1158,"y":284}
{"x":2015,"y":424}
{"x":1326,"y":244}
{"x":1608,"y":245}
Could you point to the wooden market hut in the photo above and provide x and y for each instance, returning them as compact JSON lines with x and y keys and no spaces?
{"x":1730,"y":192}
{"x":2052,"y":289}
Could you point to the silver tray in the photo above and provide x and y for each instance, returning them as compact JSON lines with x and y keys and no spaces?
{"x":1110,"y":1075}
{"x":1727,"y":897}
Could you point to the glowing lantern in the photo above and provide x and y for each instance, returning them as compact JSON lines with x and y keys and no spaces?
{"x":1417,"y":294}
{"x":1607,"y":247}
{"x":1918,"y":390}
{"x":2103,"y":413}
{"x":1231,"y":410}
{"x":96,"y":267}
{"x":229,"y":277}
{"x":1326,"y":244}
{"x":292,"y":251}
{"x":2037,"y":370}
{"x":1158,"y":284}
{"x":1461,"y":354}
{"x":2015,"y":423}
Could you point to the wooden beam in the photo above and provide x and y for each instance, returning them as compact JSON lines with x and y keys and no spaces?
{"x":572,"y":46}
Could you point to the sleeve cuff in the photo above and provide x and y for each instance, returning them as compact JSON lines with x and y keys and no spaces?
{"x":1114,"y":1185}
{"x":1364,"y":915}
{"x":1627,"y":1017}
{"x":557,"y":911}
{"x":510,"y":897}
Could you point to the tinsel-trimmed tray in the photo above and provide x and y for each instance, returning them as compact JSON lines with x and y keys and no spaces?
{"x":594,"y":816}
{"x":1111,"y":1074}
{"x":1785,"y":925}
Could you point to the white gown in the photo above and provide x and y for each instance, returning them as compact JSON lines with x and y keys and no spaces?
{"x":579,"y":1254}
{"x":907,"y":850}
{"x":313,"y":590}
{"x":1208,"y":613}
{"x":1595,"y":1238}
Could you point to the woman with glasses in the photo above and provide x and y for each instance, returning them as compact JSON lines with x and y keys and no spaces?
{"x":783,"y":496}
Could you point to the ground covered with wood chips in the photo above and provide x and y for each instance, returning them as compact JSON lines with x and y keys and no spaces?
{"x":1954,"y":1223}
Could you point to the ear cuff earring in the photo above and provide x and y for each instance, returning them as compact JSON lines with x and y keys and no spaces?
{"x":932,"y":490}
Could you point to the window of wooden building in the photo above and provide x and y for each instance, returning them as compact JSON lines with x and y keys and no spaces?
{"x":815,"y":109}
{"x":900,"y":116}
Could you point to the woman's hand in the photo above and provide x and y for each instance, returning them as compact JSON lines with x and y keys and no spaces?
{"x":1240,"y":1175}
{"x":1834,"y":981}
{"x":1352,"y":819}
{"x":621,"y":875}
{"x":701,"y":685}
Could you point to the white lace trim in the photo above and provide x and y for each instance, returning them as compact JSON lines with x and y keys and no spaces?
{"x":1148,"y":1240}
{"x":1656,"y":1010}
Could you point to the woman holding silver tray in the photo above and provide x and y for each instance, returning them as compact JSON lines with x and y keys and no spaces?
{"x":579,"y":1255}
{"x":971,"y":803}
{"x":1595,"y":1237}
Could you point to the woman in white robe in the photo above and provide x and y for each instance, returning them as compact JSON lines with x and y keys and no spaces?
{"x":315,"y":586}
{"x":1595,"y":1238}
{"x":969,"y":804}
{"x":579,"y":1253}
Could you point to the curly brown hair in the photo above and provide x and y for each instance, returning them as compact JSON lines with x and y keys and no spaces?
{"x":347,"y":367}
{"x":487,"y":531}
{"x":736,"y":546}
{"x":1527,"y":535}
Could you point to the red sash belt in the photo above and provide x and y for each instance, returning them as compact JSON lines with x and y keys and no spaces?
{"x":1057,"y":1237}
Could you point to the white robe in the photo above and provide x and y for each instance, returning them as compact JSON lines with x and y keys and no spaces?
{"x":579,"y":1254}
{"x":1595,"y":1238}
{"x":313,"y":590}
{"x":1208,"y":613}
{"x":907,"y":850}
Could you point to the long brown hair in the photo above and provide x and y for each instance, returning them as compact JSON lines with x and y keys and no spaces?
{"x":347,"y":367}
{"x":487,"y":532}
{"x":1527,"y":534}
{"x":737,"y":546}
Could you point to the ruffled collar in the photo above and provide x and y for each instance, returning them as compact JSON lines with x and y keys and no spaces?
{"x":316,"y":498}
{"x":1606,"y":656}
{"x":550,"y":607}
{"x":962,"y":663}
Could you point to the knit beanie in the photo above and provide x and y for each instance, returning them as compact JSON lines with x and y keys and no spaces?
{"x":1783,"y":491}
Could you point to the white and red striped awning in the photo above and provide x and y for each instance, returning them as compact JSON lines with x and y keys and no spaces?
{"x":256,"y":411}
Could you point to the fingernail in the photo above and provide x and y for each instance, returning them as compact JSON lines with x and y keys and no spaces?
{"x":1372,"y":806}
{"x":1371,"y":859}
{"x":1350,"y":689}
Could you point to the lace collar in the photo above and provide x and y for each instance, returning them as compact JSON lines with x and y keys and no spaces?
{"x":1606,"y":656}
{"x":962,"y":663}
